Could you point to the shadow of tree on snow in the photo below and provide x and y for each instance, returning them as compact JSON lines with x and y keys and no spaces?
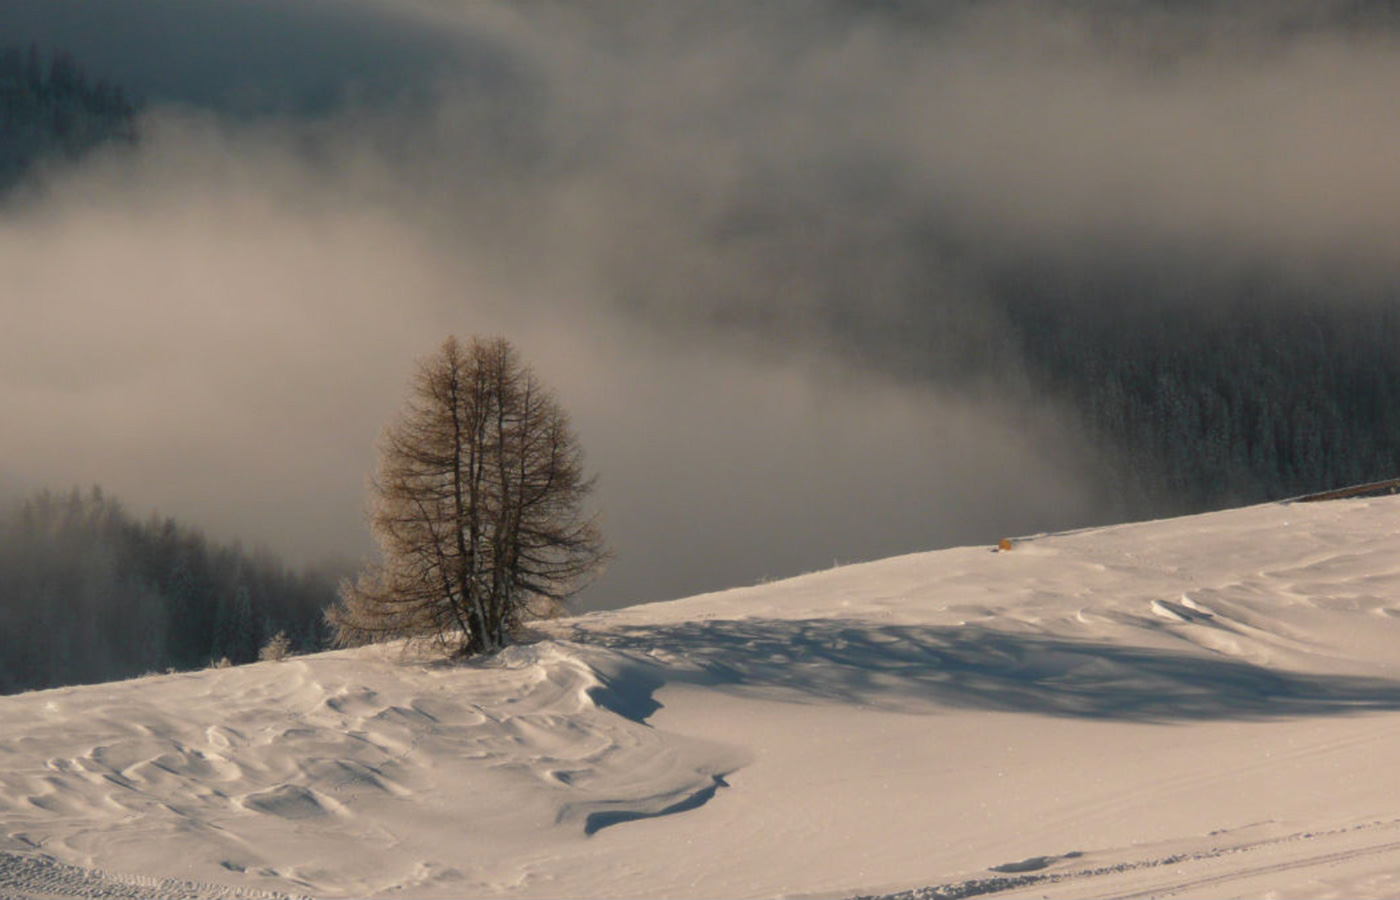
{"x":921,"y":668}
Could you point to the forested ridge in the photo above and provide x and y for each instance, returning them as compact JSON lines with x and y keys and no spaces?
{"x":88,"y":593}
{"x":1230,"y":390}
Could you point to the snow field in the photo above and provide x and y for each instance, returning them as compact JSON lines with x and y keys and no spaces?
{"x":1207,"y":705}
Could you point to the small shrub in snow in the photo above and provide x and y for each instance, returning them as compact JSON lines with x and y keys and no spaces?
{"x":277,"y":647}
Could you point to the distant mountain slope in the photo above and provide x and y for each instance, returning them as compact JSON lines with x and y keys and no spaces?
{"x":1207,"y":704}
{"x":89,"y":593}
{"x":1218,"y":389}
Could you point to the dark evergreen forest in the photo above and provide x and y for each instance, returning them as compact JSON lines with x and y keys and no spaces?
{"x":50,"y":111}
{"x":1197,"y":382}
{"x":1215,"y":390}
{"x":88,"y":593}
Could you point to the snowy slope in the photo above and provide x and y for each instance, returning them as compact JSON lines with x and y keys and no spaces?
{"x":1206,"y":705}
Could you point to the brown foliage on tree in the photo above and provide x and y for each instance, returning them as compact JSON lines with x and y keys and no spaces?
{"x":477,"y":508}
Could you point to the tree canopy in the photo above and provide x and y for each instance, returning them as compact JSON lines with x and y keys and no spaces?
{"x":477,"y":506}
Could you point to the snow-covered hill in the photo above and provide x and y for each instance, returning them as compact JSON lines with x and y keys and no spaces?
{"x":1206,"y":705}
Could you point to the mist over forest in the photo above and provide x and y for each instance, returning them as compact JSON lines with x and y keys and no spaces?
{"x":91,"y":593}
{"x":817,"y":281}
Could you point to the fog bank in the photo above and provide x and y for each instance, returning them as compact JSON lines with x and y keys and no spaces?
{"x":749,"y":246}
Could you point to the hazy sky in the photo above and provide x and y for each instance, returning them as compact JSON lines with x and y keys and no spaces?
{"x":720,"y":231}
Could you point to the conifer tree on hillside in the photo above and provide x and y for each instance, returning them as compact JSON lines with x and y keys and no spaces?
{"x":477,"y":507}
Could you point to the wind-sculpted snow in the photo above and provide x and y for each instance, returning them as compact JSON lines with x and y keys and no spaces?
{"x":271,"y":772}
{"x":1204,"y":705}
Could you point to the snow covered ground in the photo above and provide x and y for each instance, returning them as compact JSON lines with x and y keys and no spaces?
{"x":1199,"y":706}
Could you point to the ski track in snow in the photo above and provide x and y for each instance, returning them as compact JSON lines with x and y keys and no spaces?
{"x":37,"y":877}
{"x":1210,"y":871}
{"x":1198,"y":706}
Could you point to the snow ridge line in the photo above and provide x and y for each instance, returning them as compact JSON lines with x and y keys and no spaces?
{"x":38,"y":877}
{"x":980,"y":887}
{"x":1369,"y":489}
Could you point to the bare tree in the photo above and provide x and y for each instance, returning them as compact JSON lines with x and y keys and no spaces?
{"x":476,"y":505}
